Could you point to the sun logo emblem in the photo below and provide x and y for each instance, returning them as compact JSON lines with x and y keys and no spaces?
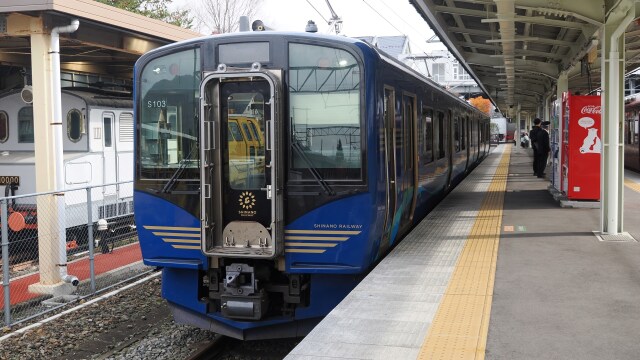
{"x":247,"y":200}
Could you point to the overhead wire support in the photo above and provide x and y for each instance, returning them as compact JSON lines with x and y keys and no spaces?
{"x":335,"y":21}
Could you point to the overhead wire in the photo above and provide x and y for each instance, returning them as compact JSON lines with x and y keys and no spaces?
{"x":319,"y":13}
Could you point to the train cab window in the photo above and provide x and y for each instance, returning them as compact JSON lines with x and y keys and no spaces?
{"x":25,"y":125}
{"x":427,"y":135}
{"x":4,"y":126}
{"x":234,"y":132}
{"x":247,"y":133}
{"x":325,"y":114}
{"x":75,"y":125}
{"x":168,"y":118}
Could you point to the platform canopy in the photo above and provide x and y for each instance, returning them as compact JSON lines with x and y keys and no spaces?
{"x":516,"y":49}
{"x":109,"y":39}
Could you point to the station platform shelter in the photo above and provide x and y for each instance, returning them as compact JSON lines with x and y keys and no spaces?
{"x":499,"y":270}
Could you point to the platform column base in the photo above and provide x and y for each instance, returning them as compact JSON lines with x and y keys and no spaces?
{"x":58,"y":289}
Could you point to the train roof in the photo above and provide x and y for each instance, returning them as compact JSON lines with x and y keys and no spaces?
{"x":311,"y":36}
{"x":101,"y":99}
{"x":94,"y":98}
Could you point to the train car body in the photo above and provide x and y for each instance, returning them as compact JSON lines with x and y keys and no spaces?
{"x":97,"y":149}
{"x":260,"y":233}
{"x":631,"y":141}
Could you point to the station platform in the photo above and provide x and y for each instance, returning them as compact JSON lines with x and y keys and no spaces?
{"x":499,"y":270}
{"x":103,"y":263}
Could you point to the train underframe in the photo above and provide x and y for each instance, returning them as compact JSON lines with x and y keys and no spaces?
{"x":252,"y":290}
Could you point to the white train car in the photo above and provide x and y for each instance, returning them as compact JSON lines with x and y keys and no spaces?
{"x":98,"y":149}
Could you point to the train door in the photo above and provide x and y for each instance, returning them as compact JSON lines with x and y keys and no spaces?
{"x":409,"y":176}
{"x":242,"y":197}
{"x":109,"y":166}
{"x":388,"y":139}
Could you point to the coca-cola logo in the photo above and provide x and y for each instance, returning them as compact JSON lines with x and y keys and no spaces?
{"x":591,"y":109}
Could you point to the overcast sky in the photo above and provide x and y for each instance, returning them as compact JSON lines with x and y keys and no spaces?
{"x":359,"y":18}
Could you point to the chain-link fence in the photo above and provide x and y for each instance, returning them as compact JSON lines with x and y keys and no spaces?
{"x":59,"y":247}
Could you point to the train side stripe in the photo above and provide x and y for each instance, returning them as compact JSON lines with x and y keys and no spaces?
{"x":313,"y":251}
{"x":171,"y":228}
{"x":169,"y":240}
{"x":310,"y":244}
{"x":320,"y":238}
{"x":176,"y":234}
{"x":187,"y":247}
{"x":323,"y":232}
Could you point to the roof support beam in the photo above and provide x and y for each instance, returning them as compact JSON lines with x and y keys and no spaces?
{"x":540,"y":20}
{"x":547,"y":69}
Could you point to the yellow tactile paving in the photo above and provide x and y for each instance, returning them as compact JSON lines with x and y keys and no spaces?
{"x":459,"y":329}
{"x":632,"y":185}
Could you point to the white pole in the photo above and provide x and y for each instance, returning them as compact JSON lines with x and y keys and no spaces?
{"x":57,"y":141}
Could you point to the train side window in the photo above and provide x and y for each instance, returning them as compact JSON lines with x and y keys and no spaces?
{"x":427,"y":134}
{"x":408,"y":131}
{"x":75,"y":125}
{"x":456,"y":133}
{"x":106,"y":122}
{"x":4,"y":126}
{"x":25,"y":125}
{"x":463,"y":133}
{"x":440,"y":135}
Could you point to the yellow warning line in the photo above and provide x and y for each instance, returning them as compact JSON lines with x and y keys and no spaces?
{"x":632,"y":185}
{"x":459,"y":329}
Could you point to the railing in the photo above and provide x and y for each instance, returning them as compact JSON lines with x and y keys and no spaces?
{"x":88,"y":231}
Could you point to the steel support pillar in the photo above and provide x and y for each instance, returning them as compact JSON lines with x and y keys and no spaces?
{"x":612,"y":160}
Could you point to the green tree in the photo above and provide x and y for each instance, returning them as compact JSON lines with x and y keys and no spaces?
{"x":155,"y":9}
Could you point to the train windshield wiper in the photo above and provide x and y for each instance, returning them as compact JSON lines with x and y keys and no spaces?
{"x":314,"y":172}
{"x":168,"y":187}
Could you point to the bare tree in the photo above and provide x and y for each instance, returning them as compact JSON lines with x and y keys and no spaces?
{"x":222,"y":16}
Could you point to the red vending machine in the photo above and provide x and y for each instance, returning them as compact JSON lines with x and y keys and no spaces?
{"x":581,"y":147}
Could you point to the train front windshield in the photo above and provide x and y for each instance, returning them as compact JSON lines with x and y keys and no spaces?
{"x":168,"y":113}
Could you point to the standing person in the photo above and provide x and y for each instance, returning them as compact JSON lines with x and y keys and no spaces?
{"x":543,"y":147}
{"x":533,"y":137}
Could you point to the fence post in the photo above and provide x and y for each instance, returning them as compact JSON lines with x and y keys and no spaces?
{"x":5,"y":260}
{"x":92,"y":272}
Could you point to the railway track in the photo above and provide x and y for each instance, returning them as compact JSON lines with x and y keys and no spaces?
{"x":211,"y":350}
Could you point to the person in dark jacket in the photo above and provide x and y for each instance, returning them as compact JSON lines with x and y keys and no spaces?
{"x":543,"y":147}
{"x":532,"y":136}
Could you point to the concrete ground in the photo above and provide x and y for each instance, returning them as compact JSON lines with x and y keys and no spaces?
{"x":559,"y":292}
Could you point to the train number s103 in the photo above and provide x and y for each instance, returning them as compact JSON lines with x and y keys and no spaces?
{"x":157,"y":104}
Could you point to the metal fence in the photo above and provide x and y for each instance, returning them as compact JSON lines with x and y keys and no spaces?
{"x":88,"y":231}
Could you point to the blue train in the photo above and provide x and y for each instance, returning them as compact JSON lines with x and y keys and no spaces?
{"x":273,"y":170}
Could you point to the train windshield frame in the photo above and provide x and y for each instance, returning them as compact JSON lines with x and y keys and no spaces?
{"x":168,"y":105}
{"x":325,"y":112}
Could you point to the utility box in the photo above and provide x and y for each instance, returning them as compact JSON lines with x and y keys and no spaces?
{"x":581,"y":147}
